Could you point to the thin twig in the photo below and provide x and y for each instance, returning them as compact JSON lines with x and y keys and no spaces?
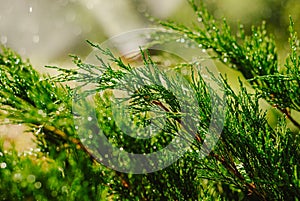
{"x":289,"y":116}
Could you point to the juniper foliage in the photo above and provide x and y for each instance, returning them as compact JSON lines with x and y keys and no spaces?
{"x":253,"y":159}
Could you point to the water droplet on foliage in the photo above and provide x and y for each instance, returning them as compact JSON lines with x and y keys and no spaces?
{"x":64,"y":189}
{"x":41,"y":112}
{"x":31,"y":178}
{"x":17,"y":177}
{"x":3,"y":165}
{"x":54,"y":193}
{"x":234,"y":46}
{"x":38,"y":185}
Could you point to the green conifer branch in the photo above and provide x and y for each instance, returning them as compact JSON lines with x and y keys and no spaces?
{"x":260,"y":160}
{"x":255,"y":56}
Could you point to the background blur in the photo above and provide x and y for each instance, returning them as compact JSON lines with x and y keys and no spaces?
{"x":47,"y":31}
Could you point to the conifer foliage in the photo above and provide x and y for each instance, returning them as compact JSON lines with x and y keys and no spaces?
{"x":253,"y":159}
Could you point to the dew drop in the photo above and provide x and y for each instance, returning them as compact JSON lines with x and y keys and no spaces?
{"x":234,"y":46}
{"x":17,"y":177}
{"x":41,"y":112}
{"x":54,"y":193}
{"x":38,"y":185}
{"x":31,"y":178}
{"x":64,"y":189}
{"x":3,"y":165}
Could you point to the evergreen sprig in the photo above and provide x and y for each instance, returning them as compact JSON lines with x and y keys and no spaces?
{"x":252,"y":160}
